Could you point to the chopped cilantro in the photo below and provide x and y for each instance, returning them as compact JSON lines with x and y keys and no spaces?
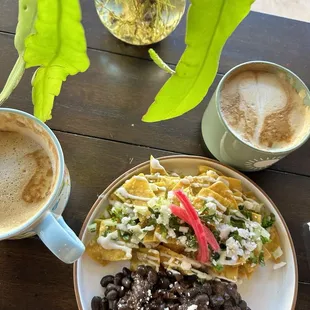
{"x":218,"y":267}
{"x":241,"y":207}
{"x":235,"y":235}
{"x":207,"y":218}
{"x":191,"y":241}
{"x":264,"y":239}
{"x":174,"y":223}
{"x":126,"y":236}
{"x":223,"y":246}
{"x":237,"y":223}
{"x":106,"y":232}
{"x":163,"y":230}
{"x":216,"y":234}
{"x":261,"y":259}
{"x":216,"y":256}
{"x":268,"y":220}
{"x":253,"y":260}
{"x":247,"y":214}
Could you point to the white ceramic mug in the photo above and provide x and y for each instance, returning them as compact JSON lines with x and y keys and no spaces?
{"x":47,"y":223}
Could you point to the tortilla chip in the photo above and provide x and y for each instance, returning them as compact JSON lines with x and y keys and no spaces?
{"x":150,"y":239}
{"x":199,"y":203}
{"x":234,"y":184}
{"x":156,"y":167}
{"x":256,"y":217}
{"x":204,"y":169}
{"x":101,"y":255}
{"x":223,"y":190}
{"x":175,"y":261}
{"x":274,"y":243}
{"x":174,"y":245}
{"x":251,"y":196}
{"x":144,"y":256}
{"x":137,"y":186}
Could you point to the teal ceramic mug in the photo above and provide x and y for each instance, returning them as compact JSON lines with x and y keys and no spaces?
{"x":229,"y":148}
{"x":47,"y":222}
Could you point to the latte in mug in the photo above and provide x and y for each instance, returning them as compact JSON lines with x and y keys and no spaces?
{"x":26,"y":176}
{"x":264,"y":109}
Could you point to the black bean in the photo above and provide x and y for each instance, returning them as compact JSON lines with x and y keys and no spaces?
{"x":121,"y":292}
{"x":192,"y":292}
{"x":226,"y":296}
{"x":152,"y":277}
{"x":141,"y":270}
{"x":163,"y":283}
{"x":217,"y":300}
{"x":243,"y":305}
{"x":170,"y":276}
{"x":191,"y":278}
{"x":206,"y":288}
{"x":202,"y":299}
{"x":178,"y":277}
{"x":104,"y":304}
{"x":218,"y":288}
{"x":110,"y":287}
{"x":126,"y":282}
{"x":231,"y":289}
{"x":228,"y":303}
{"x":112,"y":295}
{"x":126,"y":272}
{"x":118,"y":278}
{"x":96,"y":303}
{"x":162,"y":273}
{"x":106,"y":280}
{"x":112,"y":304}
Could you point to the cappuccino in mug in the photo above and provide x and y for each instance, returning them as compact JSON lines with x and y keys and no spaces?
{"x":34,"y":185}
{"x":26,"y":176}
{"x":264,"y":109}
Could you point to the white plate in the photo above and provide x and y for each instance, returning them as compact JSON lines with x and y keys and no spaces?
{"x":268,"y":289}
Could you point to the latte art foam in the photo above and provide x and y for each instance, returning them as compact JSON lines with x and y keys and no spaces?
{"x":264,"y":109}
{"x":25,"y":179}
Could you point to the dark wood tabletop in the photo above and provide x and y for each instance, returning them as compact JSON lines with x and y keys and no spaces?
{"x":97,"y":118}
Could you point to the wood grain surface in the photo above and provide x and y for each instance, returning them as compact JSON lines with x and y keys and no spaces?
{"x":97,"y":119}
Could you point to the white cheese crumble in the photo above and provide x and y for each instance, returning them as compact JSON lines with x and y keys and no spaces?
{"x":278,"y":266}
{"x":164,"y":215}
{"x":192,"y":307}
{"x":186,"y":265}
{"x":183,"y":229}
{"x":233,"y":248}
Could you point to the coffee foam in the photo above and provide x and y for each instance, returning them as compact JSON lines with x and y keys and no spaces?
{"x":25,"y":179}
{"x":264,"y":109}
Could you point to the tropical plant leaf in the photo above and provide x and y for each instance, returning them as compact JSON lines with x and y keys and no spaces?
{"x":159,"y":62}
{"x":27,"y":11}
{"x":58,"y":47}
{"x":209,"y":25}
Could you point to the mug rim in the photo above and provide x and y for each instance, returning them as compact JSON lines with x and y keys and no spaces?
{"x":59,"y":178}
{"x":227,"y":128}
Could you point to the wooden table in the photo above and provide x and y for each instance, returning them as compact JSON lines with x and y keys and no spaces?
{"x":97,"y":120}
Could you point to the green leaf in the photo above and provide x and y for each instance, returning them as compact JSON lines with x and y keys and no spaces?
{"x":27,"y":11}
{"x":58,"y":47}
{"x":159,"y":62}
{"x":209,"y":25}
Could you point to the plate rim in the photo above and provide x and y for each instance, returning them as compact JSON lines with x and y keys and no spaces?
{"x":145,"y":163}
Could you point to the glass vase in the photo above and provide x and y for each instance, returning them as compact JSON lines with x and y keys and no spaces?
{"x":140,"y":22}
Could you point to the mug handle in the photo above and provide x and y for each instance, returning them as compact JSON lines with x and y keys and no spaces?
{"x":60,"y":238}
